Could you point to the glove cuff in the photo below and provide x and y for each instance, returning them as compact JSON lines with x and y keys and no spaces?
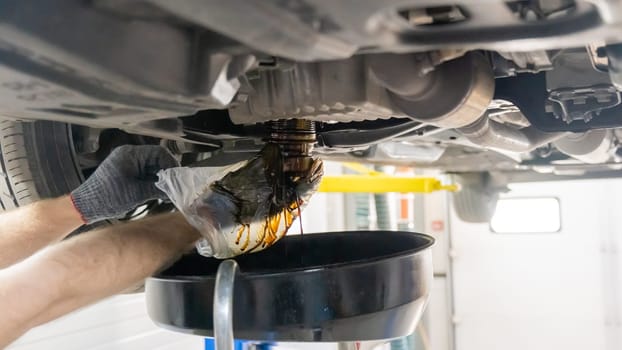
{"x":83,"y":207}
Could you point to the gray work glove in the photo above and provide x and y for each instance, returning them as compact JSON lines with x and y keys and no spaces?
{"x":122,"y":182}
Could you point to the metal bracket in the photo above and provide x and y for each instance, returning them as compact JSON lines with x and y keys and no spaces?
{"x":583,"y":103}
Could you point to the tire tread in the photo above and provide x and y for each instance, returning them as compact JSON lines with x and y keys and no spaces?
{"x":16,"y":183}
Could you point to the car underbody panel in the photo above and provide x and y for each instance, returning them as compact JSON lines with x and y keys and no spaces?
{"x":462,"y":86}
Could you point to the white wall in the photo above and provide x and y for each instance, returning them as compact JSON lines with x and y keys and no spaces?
{"x":543,"y":291}
{"x":438,"y":314}
{"x":119,"y":323}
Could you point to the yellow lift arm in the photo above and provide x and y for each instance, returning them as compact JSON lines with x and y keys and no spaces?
{"x":376,"y":182}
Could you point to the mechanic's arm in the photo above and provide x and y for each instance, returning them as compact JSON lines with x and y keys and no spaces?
{"x":28,"y":229}
{"x":87,"y":268}
{"x":122,"y":182}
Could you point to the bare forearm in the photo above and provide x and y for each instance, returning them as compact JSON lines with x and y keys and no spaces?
{"x":88,"y":268}
{"x":26,"y":230}
{"x":113,"y":259}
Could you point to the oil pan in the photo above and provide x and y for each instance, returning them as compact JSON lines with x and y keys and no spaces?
{"x":335,"y":287}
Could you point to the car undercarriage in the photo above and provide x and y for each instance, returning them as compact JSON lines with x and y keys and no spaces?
{"x":516,"y":89}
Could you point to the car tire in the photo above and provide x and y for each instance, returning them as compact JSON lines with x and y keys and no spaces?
{"x":37,"y":161}
{"x":477,"y":199}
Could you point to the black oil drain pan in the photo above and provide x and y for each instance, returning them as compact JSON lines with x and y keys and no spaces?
{"x":337,"y":286}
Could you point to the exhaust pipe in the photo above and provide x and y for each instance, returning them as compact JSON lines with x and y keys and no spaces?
{"x":456,"y":95}
{"x":489,"y":133}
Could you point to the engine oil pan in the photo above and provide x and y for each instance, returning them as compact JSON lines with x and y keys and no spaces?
{"x":338,"y":286}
